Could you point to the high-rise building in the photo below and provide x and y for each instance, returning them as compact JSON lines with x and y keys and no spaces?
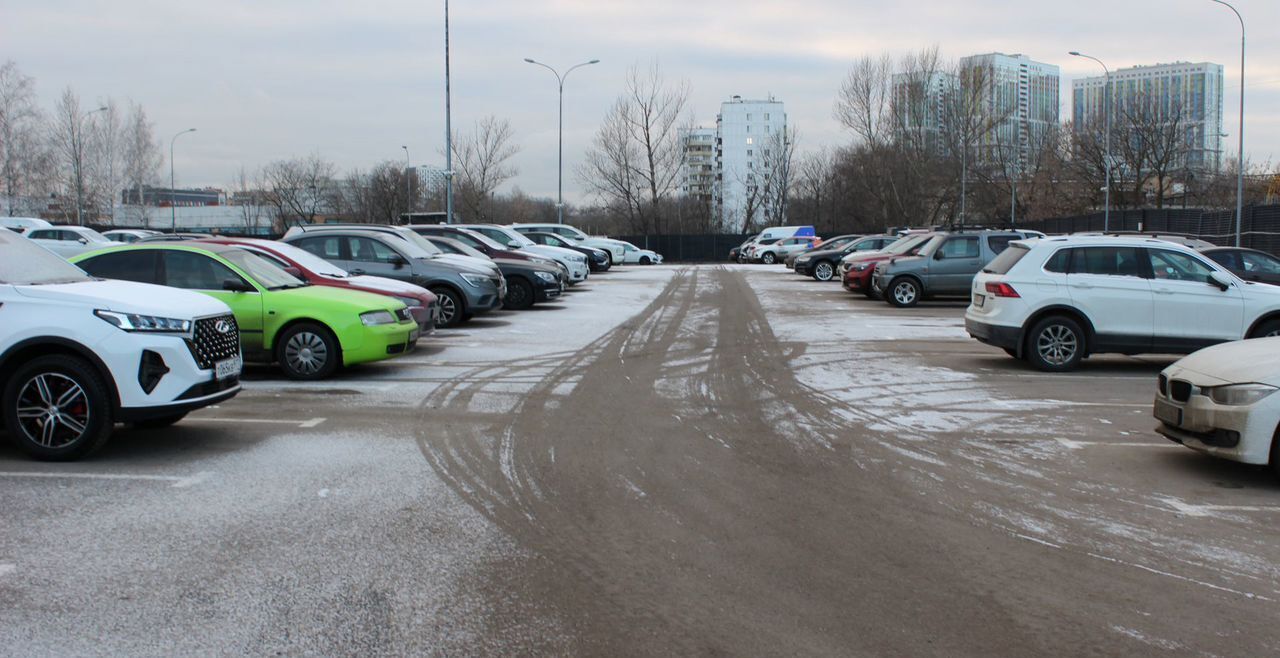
{"x":751,"y":138}
{"x":1190,"y":94}
{"x":920,"y":99}
{"x":698,"y":169}
{"x":1022,"y":95}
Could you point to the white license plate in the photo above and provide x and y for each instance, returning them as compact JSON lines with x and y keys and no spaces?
{"x":979,"y":300}
{"x":1168,"y":413}
{"x":228,"y":368}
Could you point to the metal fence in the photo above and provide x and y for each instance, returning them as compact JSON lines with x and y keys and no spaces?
{"x":688,"y":248}
{"x":1260,"y":228}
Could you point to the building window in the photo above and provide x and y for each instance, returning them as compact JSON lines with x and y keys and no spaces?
{"x":748,"y":117}
{"x":750,"y":152}
{"x":750,"y":141}
{"x":766,"y":116}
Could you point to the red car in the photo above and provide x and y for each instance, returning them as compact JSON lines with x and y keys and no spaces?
{"x":856,"y":269}
{"x":305,"y":265}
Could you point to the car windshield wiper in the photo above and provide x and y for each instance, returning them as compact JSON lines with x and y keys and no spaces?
{"x":288,"y":286}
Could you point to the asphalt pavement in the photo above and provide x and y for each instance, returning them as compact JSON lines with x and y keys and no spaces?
{"x":672,"y":460}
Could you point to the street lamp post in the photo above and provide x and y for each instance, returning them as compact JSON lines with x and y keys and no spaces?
{"x":1106,"y":112}
{"x":560,"y":157}
{"x":1240,"y":163}
{"x":448,"y":126}
{"x":173,"y":210}
{"x":408,"y":189}
{"x":79,"y":165}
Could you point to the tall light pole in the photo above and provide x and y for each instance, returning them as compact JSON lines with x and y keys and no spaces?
{"x":408,"y":189}
{"x":173,"y":209}
{"x":448,"y":127}
{"x":79,"y":164}
{"x":1240,"y":163}
{"x":1106,"y":159}
{"x":560,"y":157}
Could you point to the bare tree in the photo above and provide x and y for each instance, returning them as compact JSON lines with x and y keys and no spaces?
{"x":634,"y":161}
{"x":142,"y":157}
{"x":299,"y":188}
{"x":105,"y":157}
{"x":70,"y":142}
{"x":481,"y":159}
{"x":25,"y":161}
{"x":246,"y":194}
{"x":969,"y":118}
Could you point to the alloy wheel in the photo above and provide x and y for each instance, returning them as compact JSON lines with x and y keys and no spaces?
{"x":905,"y":293}
{"x":1057,"y":344}
{"x":447,"y":310}
{"x":823,"y":271}
{"x":53,"y":410}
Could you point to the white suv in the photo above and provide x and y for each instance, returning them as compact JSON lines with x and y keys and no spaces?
{"x":1056,"y":300}
{"x":79,"y":354}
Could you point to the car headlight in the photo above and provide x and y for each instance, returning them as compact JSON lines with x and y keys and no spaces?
{"x":476,"y":280}
{"x":804,"y":259}
{"x":139,"y":322}
{"x":861,"y":267}
{"x":546,"y":276}
{"x":1239,"y":394}
{"x":579,"y":258}
{"x":373,"y":318}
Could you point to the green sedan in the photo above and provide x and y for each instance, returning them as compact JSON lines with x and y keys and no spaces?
{"x":308,"y":330}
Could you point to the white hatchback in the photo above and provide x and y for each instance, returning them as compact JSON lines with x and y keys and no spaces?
{"x":1054,"y":301}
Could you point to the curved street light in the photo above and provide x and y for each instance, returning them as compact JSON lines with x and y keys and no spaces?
{"x":173,"y":209}
{"x":1240,"y":164}
{"x":560,"y":157}
{"x":1106,"y":111}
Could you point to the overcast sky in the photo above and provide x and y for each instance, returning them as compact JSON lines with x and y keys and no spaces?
{"x":353,"y":81}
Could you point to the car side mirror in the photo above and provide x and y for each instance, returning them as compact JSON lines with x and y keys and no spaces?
{"x":236,"y":285}
{"x":399,"y":262}
{"x":939,"y":255}
{"x":513,"y":244}
{"x":293,"y":272}
{"x":83,"y":240}
{"x":1220,"y":280}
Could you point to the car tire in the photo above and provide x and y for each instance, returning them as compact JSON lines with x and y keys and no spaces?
{"x":68,"y":386}
{"x":903,"y":292}
{"x":1055,"y":344}
{"x":519,"y":295}
{"x":1274,"y":461}
{"x":644,"y":260}
{"x":823,"y":270}
{"x":768,"y":258}
{"x":1266,"y":329}
{"x":450,"y":308}
{"x":308,"y":351}
{"x":1011,"y":352}
{"x":159,"y":423}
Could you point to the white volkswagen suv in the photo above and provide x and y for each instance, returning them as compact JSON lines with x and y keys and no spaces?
{"x":1054,"y":301}
{"x":79,"y":354}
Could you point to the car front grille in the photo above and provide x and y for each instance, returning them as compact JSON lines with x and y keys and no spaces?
{"x":1180,"y":391}
{"x":214,"y":339}
{"x":1163,"y":384}
{"x":403,"y":315}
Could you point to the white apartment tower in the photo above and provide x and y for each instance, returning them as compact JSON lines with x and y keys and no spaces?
{"x":750,"y":137}
{"x":1024,"y":94}
{"x":698,"y":168}
{"x":1190,"y":92}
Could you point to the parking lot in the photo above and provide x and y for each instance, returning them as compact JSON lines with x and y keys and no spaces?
{"x":718,"y":459}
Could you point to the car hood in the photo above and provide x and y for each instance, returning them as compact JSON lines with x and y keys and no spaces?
{"x":458,"y":266}
{"x":511,"y":264}
{"x":325,"y":297}
{"x":818,"y":253}
{"x":472,"y":261}
{"x":861,"y":256}
{"x":387,"y":286}
{"x":554,"y":252}
{"x":1238,"y":362}
{"x":129,"y":297}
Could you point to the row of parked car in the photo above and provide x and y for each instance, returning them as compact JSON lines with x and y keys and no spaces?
{"x":148,"y":327}
{"x":1055,"y":300}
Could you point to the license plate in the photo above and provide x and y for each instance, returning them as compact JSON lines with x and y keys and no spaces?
{"x":979,"y":300}
{"x":228,"y":368}
{"x":413,"y":335}
{"x":1168,"y":413}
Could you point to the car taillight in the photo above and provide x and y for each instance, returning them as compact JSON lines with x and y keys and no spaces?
{"x":1001,"y":289}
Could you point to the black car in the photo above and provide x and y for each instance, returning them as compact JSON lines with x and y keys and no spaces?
{"x":527,"y":282}
{"x":821,"y":263}
{"x":1248,"y":264}
{"x":598,"y":260}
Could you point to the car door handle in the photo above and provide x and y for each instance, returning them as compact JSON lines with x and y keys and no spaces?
{"x":1084,"y":286}
{"x":1164,"y":291}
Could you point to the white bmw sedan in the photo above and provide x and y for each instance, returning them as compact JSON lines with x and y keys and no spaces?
{"x":1221,"y":401}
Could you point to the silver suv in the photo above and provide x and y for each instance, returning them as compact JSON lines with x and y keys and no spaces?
{"x":944,"y":265}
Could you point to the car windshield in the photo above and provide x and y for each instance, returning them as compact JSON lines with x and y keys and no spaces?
{"x":467,"y":250}
{"x":260,"y":269}
{"x":484,"y":239}
{"x":309,"y":260}
{"x":518,"y":238}
{"x":92,"y":235}
{"x":906,"y":243}
{"x":24,"y":263}
{"x":421,"y":243}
